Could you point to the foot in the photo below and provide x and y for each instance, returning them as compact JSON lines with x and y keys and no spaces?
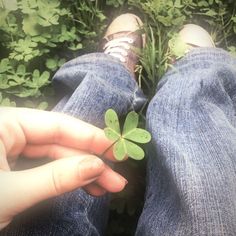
{"x":195,"y":36}
{"x":123,"y":39}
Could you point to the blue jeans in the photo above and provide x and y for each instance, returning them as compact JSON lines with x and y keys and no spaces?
{"x":191,"y":171}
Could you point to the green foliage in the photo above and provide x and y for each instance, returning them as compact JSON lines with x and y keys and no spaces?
{"x":163,"y":20}
{"x":32,"y":34}
{"x":232,"y":50}
{"x":177,"y":47}
{"x":15,"y":80}
{"x":6,"y":101}
{"x":115,"y":3}
{"x":124,"y":141}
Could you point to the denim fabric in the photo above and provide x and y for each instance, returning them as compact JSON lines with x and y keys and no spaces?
{"x":191,"y":183}
{"x":99,"y":82}
{"x":88,"y":85}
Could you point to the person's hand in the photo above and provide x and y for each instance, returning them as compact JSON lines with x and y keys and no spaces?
{"x":69,"y":141}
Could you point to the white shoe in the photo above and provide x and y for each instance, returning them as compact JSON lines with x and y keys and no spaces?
{"x":195,"y":36}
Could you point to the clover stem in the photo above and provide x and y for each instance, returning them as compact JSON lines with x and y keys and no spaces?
{"x":107,"y":149}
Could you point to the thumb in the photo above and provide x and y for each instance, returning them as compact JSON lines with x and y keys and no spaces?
{"x":22,"y":189}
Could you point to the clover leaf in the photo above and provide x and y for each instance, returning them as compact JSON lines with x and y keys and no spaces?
{"x":177,"y":46}
{"x":10,"y":5}
{"x":124,"y":141}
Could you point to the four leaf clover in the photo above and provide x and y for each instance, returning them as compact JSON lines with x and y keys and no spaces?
{"x":125,"y":141}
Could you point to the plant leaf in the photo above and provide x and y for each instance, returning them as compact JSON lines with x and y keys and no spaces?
{"x":30,"y":25}
{"x":42,"y":106}
{"x":21,"y":69}
{"x":177,"y":46}
{"x":4,"y":64}
{"x":138,"y":135}
{"x":133,"y":150}
{"x":10,"y":5}
{"x":51,"y":63}
{"x":131,"y":122}
{"x":112,"y":121}
{"x":119,"y":150}
{"x":111,"y":134}
{"x":7,"y":102}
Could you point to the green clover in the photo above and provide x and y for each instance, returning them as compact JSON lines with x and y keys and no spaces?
{"x":125,"y":141}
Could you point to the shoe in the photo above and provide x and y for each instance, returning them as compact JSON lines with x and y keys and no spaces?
{"x":195,"y":36}
{"x":123,"y":40}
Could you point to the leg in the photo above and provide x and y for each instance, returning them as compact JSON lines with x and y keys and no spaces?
{"x":95,"y":83}
{"x":99,"y":83}
{"x":192,"y":162}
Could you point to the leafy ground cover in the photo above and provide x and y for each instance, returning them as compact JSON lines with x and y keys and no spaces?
{"x":38,"y":36}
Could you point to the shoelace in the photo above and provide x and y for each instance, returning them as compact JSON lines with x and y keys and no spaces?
{"x":118,"y":47}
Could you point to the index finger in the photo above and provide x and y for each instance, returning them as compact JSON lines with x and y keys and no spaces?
{"x":43,"y":127}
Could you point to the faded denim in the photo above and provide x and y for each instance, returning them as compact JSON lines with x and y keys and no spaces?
{"x":88,"y":86}
{"x":191,"y":182}
{"x":191,"y":171}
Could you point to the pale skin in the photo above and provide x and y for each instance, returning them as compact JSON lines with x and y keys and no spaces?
{"x":73,"y":146}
